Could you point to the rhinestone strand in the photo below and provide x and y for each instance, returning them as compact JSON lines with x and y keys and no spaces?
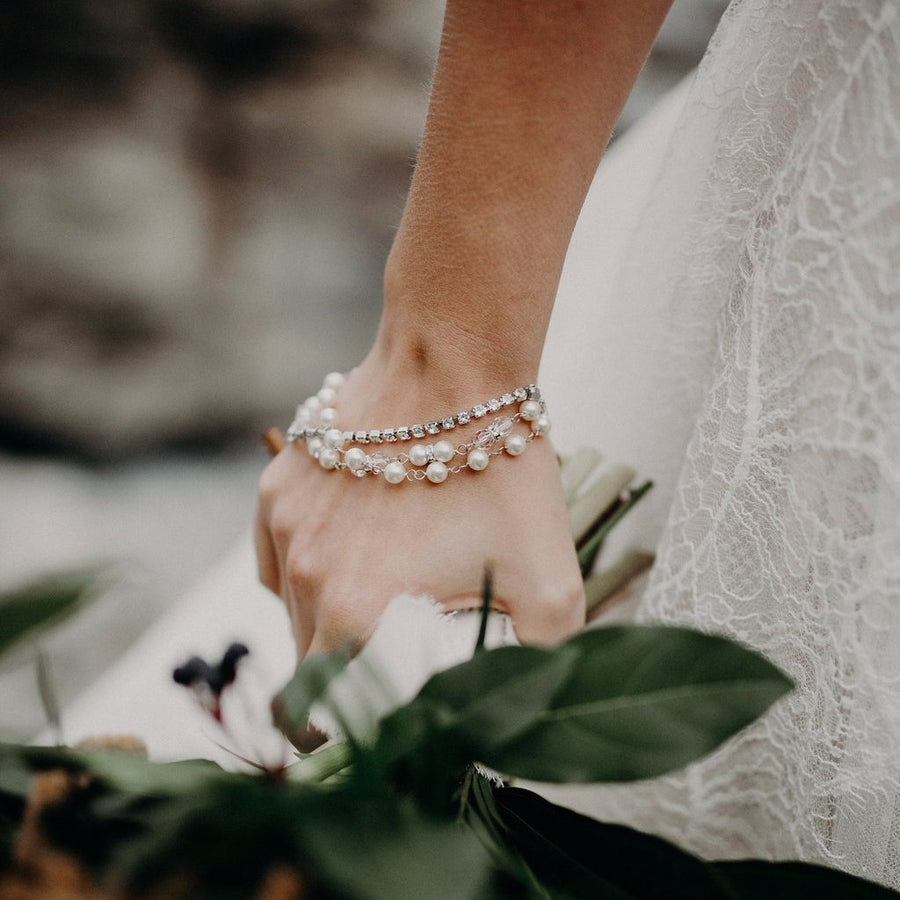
{"x":317,"y":414}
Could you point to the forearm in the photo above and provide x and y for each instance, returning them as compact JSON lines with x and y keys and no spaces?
{"x":524,"y":99}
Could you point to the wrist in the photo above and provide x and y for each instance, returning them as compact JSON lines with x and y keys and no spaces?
{"x":448,"y":326}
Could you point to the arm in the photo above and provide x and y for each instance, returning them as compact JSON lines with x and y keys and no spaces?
{"x":524,"y":99}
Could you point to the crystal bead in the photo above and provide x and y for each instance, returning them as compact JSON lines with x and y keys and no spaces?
{"x":448,"y":423}
{"x":418,"y":431}
{"x":377,"y":462}
{"x":493,"y":405}
{"x":485,"y":438}
{"x":507,"y":399}
{"x":501,"y":426}
{"x":375,"y":436}
{"x":433,"y":428}
{"x":520,"y":394}
{"x":361,"y":437}
{"x":389,"y":435}
{"x":479,"y":411}
{"x":403,"y":433}
{"x":463,"y":418}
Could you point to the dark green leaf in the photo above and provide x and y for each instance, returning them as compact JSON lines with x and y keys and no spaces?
{"x":790,"y":880}
{"x":641,"y":701}
{"x":27,"y":612}
{"x":292,"y":704}
{"x":498,"y":694}
{"x":576,"y":856}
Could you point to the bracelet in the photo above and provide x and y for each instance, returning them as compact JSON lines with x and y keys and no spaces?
{"x":317,"y":414}
{"x":315,"y":425}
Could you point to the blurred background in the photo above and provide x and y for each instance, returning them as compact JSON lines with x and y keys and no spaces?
{"x":196,"y":200}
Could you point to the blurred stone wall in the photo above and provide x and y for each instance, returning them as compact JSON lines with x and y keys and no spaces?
{"x":196,"y":198}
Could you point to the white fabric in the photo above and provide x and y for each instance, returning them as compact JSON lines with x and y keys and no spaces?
{"x":760,"y":299}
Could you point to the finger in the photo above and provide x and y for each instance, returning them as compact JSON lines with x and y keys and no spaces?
{"x":267,"y":565}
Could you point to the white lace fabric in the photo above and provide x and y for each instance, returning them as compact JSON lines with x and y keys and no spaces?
{"x":771,"y":248}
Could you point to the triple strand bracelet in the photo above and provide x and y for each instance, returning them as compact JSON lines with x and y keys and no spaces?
{"x":336,"y":449}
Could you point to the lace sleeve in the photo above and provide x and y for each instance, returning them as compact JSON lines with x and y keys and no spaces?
{"x":777,"y":389}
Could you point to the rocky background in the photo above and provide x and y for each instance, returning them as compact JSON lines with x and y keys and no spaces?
{"x":196,"y":199}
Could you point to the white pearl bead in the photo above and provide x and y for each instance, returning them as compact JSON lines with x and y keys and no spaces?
{"x":541,"y":425}
{"x":478,"y":459}
{"x":327,"y":416}
{"x":355,"y":459}
{"x":394,"y":472}
{"x":515,"y":444}
{"x":333,"y":438}
{"x":313,"y":404}
{"x":328,"y":458}
{"x":436,"y":472}
{"x":418,"y":454}
{"x":334,"y":380}
{"x":326,"y":396}
{"x":443,"y":451}
{"x":314,"y":446}
{"x":530,"y":410}
{"x":302,"y":417}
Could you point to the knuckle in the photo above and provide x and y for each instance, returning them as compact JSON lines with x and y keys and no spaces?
{"x":302,"y":571}
{"x":563,"y":607}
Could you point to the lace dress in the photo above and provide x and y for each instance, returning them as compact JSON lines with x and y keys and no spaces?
{"x":750,"y":351}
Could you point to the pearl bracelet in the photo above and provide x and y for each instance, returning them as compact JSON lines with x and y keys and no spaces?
{"x":315,"y":425}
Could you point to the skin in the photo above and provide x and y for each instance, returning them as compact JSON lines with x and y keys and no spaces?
{"x":524,"y":99}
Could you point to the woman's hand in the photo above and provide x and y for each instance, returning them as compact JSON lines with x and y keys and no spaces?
{"x":337,"y":548}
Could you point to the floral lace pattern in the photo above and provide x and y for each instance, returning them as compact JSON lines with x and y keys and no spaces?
{"x":781,"y":385}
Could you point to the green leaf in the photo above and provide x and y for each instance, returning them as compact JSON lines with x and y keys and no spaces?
{"x":640,"y":701}
{"x":382,"y":850}
{"x":291,"y":706}
{"x":789,"y":880}
{"x":576,"y":856}
{"x":498,"y":694}
{"x":31,"y":610}
{"x":122,"y":771}
{"x":320,"y":765}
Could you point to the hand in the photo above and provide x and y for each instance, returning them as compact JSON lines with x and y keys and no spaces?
{"x":337,"y":549}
